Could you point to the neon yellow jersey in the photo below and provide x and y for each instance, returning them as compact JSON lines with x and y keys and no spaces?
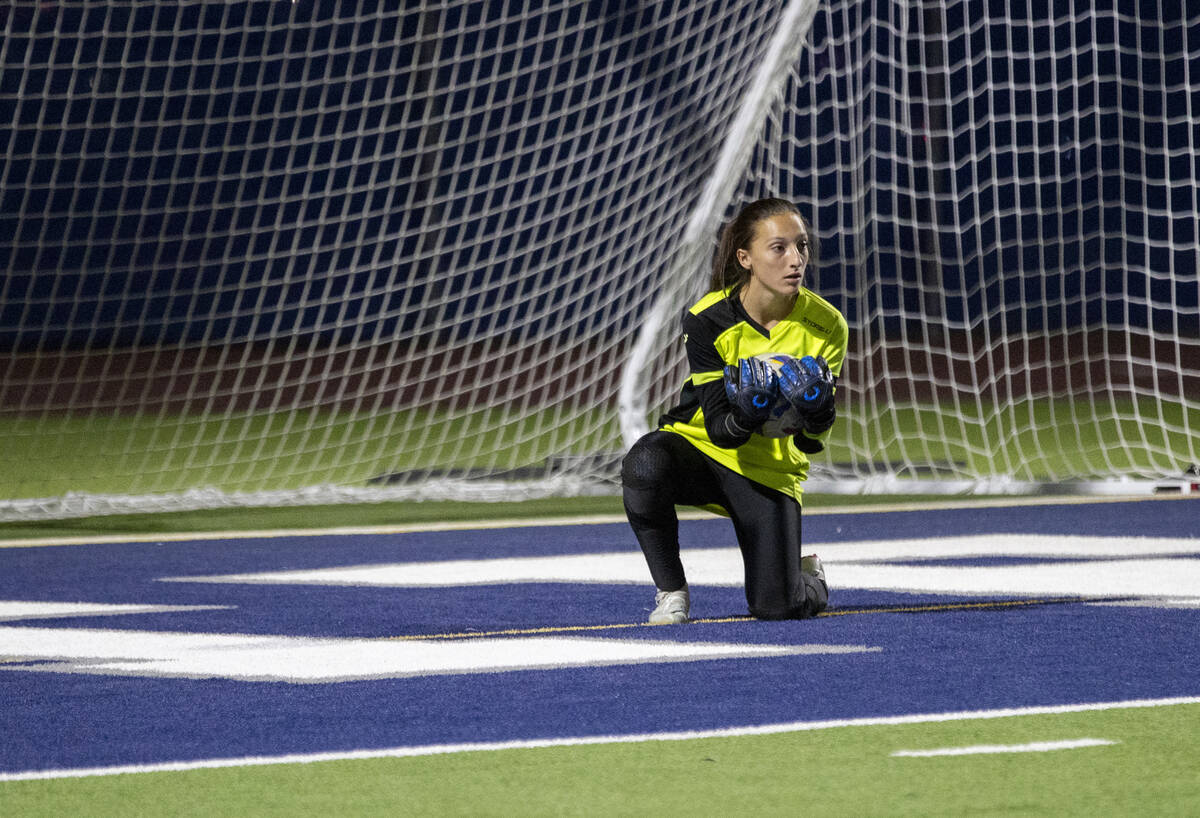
{"x":717,"y":331}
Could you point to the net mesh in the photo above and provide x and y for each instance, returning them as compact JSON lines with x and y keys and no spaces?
{"x":271,"y":252}
{"x":1007,"y":210}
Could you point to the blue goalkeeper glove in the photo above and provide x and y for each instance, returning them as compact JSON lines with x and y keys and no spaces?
{"x":808,"y":384}
{"x":751,"y":387}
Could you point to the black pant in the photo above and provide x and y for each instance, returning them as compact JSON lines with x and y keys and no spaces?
{"x":662,"y":470}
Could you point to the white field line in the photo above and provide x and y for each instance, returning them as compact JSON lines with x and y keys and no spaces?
{"x":12,"y":610}
{"x":537,"y":522}
{"x":579,"y":741}
{"x":991,"y":749}
{"x":402,"y":528}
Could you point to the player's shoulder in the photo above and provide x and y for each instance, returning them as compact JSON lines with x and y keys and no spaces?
{"x":711,"y":302}
{"x":818,"y":315}
{"x":713,"y":311}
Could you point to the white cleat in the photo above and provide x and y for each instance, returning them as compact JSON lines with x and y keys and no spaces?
{"x":671,"y":607}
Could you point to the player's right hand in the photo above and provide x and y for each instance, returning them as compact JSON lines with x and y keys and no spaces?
{"x":751,"y":387}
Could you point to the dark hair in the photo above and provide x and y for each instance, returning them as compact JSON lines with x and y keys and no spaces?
{"x":727,"y":273}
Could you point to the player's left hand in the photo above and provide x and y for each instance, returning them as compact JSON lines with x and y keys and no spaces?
{"x":807,"y":384}
{"x":819,"y":422}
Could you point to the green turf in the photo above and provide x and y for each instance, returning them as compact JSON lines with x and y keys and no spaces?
{"x":1042,"y":440}
{"x":845,"y":771}
{"x":309,"y":517}
{"x":51,"y":456}
{"x":132,"y":454}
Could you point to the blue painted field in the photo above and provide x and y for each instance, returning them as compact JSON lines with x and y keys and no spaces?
{"x":277,"y":662}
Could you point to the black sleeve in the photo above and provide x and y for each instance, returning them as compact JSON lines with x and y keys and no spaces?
{"x":720,"y":422}
{"x":699,"y":342}
{"x":806,"y":444}
{"x":816,"y":444}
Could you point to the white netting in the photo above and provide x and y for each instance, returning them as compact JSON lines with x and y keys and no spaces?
{"x":277,"y":252}
{"x":309,"y":252}
{"x":1006,"y":196}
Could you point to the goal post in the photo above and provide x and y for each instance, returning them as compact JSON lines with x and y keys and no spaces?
{"x":275,"y":253}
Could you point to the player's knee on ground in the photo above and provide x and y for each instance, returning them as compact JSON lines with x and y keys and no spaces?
{"x":765,"y":612}
{"x":815,"y":599}
{"x":816,"y":594}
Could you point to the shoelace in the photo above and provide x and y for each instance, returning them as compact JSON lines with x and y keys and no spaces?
{"x":662,"y":596}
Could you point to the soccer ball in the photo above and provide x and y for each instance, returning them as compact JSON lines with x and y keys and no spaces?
{"x":784,"y":421}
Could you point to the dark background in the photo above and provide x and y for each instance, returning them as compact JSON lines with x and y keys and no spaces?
{"x":216,"y":173}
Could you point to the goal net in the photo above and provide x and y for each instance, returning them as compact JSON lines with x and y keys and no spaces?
{"x":1007,"y":194}
{"x":274,"y":253}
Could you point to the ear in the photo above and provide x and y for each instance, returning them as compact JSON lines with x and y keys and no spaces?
{"x":743,"y":257}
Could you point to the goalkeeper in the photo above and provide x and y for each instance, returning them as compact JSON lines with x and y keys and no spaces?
{"x":707,"y":450}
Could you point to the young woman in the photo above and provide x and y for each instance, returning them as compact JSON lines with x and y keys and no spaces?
{"x":708,"y":450}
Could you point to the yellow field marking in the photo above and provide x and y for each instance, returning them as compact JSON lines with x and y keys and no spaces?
{"x":935,"y":608}
{"x":962,"y":606}
{"x":533,"y":631}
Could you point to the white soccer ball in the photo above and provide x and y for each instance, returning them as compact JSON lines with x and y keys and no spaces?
{"x":784,"y":420}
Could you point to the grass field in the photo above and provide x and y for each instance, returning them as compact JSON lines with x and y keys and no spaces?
{"x":129,"y":454}
{"x":54,"y":455}
{"x":1149,"y":768}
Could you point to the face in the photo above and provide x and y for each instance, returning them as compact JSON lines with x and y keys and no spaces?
{"x":777,"y":255}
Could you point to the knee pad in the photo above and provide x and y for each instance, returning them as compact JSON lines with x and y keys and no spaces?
{"x":646,"y":465}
